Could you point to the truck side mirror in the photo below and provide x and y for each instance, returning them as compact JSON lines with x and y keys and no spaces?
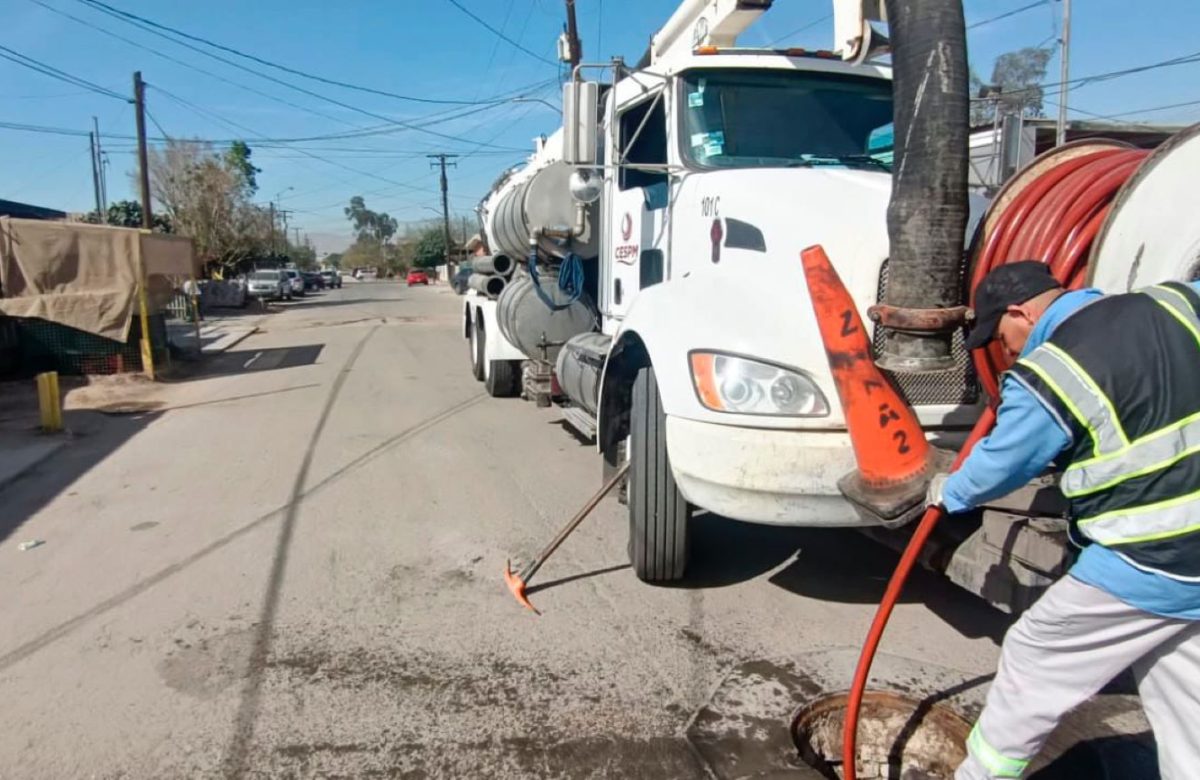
{"x":580,"y":122}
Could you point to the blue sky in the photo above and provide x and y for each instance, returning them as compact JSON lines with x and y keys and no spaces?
{"x":431,"y":49}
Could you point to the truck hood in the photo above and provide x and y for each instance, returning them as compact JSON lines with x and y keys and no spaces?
{"x":754,"y":300}
{"x":768,"y":215}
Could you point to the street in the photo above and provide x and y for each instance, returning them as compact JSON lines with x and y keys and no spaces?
{"x":291,"y":566}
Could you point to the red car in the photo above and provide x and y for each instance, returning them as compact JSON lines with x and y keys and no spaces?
{"x":417,"y":276}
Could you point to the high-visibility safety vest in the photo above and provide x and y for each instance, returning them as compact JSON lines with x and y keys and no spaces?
{"x":1122,"y":374}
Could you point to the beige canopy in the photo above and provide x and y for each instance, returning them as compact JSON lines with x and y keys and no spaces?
{"x":86,"y":276}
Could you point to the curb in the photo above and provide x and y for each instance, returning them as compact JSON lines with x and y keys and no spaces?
{"x":229,"y":342}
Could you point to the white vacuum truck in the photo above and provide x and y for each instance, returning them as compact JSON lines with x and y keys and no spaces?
{"x":678,"y":198}
{"x":646,"y":274}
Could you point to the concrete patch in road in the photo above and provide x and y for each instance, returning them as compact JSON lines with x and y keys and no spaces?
{"x":206,"y":666}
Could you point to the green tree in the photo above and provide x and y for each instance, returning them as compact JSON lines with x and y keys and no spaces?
{"x":237,"y":159}
{"x":429,"y":249}
{"x":128,"y":213}
{"x":375,"y":225}
{"x":303,"y":255}
{"x":333,"y":260}
{"x":363,"y":254}
{"x":1015,"y":86}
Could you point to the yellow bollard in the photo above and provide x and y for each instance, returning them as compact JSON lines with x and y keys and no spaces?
{"x":49,"y":401}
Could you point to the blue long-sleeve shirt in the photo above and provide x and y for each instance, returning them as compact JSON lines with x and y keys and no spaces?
{"x":1027,"y":438}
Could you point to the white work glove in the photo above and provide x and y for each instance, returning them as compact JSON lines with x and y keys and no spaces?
{"x":937,"y":486}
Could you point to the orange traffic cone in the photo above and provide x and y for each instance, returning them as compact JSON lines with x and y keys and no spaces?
{"x":894,"y":459}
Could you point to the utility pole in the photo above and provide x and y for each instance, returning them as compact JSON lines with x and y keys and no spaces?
{"x":1060,"y":137}
{"x":441,"y":161}
{"x":139,"y":104}
{"x":103,"y":177}
{"x":272,"y":207}
{"x":96,"y":177}
{"x":283,"y":214}
{"x":574,"y":47}
{"x":296,"y":230}
{"x":100,"y":168}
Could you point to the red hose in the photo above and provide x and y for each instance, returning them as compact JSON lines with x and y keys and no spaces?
{"x":1054,"y":219}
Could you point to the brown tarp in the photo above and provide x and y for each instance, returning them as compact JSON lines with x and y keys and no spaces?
{"x":86,"y":276}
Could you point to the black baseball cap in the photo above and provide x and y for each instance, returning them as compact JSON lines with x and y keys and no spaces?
{"x":1008,"y":285}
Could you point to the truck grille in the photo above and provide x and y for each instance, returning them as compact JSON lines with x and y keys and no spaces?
{"x":958,"y":386}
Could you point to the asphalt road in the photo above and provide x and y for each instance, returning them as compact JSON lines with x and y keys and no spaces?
{"x":291,"y":567}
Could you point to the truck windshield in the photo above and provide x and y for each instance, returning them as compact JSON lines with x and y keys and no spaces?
{"x":773,"y":118}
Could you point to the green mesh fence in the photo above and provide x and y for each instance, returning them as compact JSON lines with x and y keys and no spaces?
{"x":48,"y":346}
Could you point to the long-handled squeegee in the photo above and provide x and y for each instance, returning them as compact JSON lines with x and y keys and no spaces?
{"x":518,"y":582}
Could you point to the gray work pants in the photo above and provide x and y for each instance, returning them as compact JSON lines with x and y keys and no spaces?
{"x":1061,"y":652}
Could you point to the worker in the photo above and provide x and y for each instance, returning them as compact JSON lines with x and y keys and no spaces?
{"x":1107,"y":387}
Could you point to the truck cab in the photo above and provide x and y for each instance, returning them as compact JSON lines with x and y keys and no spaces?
{"x":718,"y":168}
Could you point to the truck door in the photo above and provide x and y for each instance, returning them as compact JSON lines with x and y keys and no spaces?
{"x":637,"y":211}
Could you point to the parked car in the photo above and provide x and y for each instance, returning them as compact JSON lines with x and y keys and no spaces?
{"x":332,"y":278}
{"x":269,"y":285}
{"x":459,"y":280}
{"x":297,"y":281}
{"x":312,"y":281}
{"x":417,"y":276}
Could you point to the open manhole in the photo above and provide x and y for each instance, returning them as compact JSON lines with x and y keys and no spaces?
{"x":898,"y":738}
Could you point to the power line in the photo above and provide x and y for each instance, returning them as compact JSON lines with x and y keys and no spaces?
{"x":1185,"y":59}
{"x":799,"y":30}
{"x":156,"y":124}
{"x":253,"y":132}
{"x":268,"y":77}
{"x":182,"y":63}
{"x":387,"y":128}
{"x":55,"y":73}
{"x":286,"y":69}
{"x":282,"y":142}
{"x":1014,"y":12}
{"x":501,"y":35}
{"x":487,"y":69}
{"x":1118,"y":116}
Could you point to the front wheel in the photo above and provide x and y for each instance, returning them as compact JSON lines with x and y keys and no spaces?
{"x":658,"y":512}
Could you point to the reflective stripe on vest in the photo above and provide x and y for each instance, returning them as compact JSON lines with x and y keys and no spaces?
{"x":1147,"y":523}
{"x":1090,"y":406}
{"x":1153,"y":452}
{"x":1179,"y":306}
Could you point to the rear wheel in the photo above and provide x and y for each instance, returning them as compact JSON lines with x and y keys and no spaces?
{"x":500,"y":377}
{"x":658,"y":512}
{"x":503,"y":378}
{"x":476,"y":351}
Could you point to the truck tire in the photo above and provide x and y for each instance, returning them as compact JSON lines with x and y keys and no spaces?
{"x":658,"y":512}
{"x":502,"y":378}
{"x":476,"y":343}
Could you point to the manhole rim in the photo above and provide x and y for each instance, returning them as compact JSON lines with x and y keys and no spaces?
{"x":932,"y":713}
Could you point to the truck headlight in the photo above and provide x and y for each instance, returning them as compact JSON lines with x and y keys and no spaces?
{"x":727,"y":383}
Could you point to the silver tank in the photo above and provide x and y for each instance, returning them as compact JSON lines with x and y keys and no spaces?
{"x":580,"y":367}
{"x":537,"y":196}
{"x":525,"y":320}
